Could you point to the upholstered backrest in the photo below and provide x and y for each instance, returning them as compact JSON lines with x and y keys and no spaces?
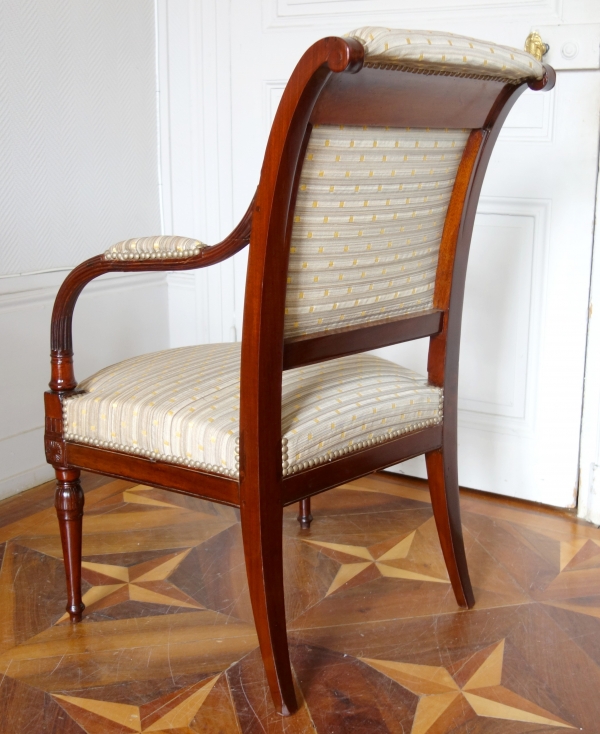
{"x":368,"y":221}
{"x":372,"y":201}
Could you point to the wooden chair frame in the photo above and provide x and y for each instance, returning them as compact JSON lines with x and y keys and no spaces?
{"x":330,"y":85}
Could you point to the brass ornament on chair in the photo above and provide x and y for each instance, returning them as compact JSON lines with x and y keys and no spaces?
{"x":535,"y":46}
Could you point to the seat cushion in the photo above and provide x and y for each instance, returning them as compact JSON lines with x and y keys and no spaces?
{"x":445,"y":53}
{"x":182,"y":405}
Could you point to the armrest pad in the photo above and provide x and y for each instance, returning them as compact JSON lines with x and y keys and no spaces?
{"x":162,"y":247}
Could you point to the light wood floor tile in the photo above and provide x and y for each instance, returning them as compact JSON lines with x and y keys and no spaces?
{"x":168,"y":644}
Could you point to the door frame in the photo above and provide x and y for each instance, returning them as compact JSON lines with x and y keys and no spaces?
{"x":588,"y":501}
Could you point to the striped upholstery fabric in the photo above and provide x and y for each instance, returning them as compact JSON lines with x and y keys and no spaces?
{"x":434,"y":52}
{"x":151,"y":248}
{"x":368,"y":222}
{"x":182,"y":405}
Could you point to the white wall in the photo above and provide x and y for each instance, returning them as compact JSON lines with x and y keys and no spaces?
{"x":78,"y":171}
{"x":195,"y":110}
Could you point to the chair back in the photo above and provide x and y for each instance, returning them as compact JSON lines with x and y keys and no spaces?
{"x":365,"y":208}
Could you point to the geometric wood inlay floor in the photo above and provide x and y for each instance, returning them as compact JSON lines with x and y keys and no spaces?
{"x":167,"y":643}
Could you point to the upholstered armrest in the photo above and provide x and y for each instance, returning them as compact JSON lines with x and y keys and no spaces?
{"x":163,"y":247}
{"x":165,"y":252}
{"x":434,"y":52}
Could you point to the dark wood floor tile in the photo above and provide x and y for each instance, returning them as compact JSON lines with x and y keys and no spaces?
{"x":571,"y":585}
{"x":214,"y":574}
{"x":360,"y":529}
{"x":7,"y":599}
{"x":568,"y":671}
{"x":525,"y":564}
{"x":128,"y":609}
{"x":194,"y":504}
{"x":435,"y":640}
{"x":217,"y":714}
{"x":130,"y":558}
{"x":378,"y":600}
{"x":27,"y":710}
{"x":582,"y":629}
{"x":253,"y":706}
{"x":105,"y":492}
{"x":47,"y":576}
{"x":308,"y":574}
{"x":346,"y":501}
{"x":533,"y":685}
{"x":345,"y":695}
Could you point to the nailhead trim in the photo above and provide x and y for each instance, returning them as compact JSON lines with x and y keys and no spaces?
{"x":171,"y":255}
{"x":234,"y":473}
{"x":331,"y":455}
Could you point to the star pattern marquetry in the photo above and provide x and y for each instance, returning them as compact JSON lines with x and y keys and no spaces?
{"x":390,"y":559}
{"x":145,"y":582}
{"x":441,"y":698}
{"x":174,"y":711}
{"x":168,"y":643}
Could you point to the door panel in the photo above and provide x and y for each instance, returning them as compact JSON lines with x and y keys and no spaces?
{"x":524,"y":330}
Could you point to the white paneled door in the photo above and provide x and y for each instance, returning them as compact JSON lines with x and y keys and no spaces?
{"x":526,"y":309}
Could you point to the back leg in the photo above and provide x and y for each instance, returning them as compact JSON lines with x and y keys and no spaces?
{"x":263,"y":550}
{"x":442,"y":473}
{"x":68,"y":500}
{"x":304,"y":516}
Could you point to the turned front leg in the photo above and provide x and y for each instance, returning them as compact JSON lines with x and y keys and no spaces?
{"x":68,"y":501}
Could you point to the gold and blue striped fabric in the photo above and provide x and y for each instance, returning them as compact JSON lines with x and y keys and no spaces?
{"x":436,"y":52}
{"x":159,"y":247}
{"x":368,"y":221}
{"x":182,"y":405}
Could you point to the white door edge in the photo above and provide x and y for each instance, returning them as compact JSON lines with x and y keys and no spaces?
{"x":588,"y":506}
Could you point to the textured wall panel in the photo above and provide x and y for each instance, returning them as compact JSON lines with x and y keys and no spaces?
{"x":78,"y":160}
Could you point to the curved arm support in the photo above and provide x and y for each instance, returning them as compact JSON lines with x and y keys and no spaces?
{"x":63,"y":377}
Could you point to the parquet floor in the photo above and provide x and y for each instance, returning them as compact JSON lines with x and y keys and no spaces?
{"x":378,"y":645}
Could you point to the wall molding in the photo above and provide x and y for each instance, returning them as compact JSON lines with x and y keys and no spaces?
{"x":117,"y":316}
{"x":280,"y":14}
{"x":482,"y":415}
{"x":531,"y":120}
{"x":195,"y":91}
{"x":29,"y":290}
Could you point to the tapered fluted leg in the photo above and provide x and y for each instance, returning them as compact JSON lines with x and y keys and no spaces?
{"x":304,"y":516}
{"x":263,"y":546}
{"x":68,"y":501}
{"x":442,"y":473}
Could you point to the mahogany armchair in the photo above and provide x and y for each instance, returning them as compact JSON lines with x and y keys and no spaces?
{"x":359,"y":235}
